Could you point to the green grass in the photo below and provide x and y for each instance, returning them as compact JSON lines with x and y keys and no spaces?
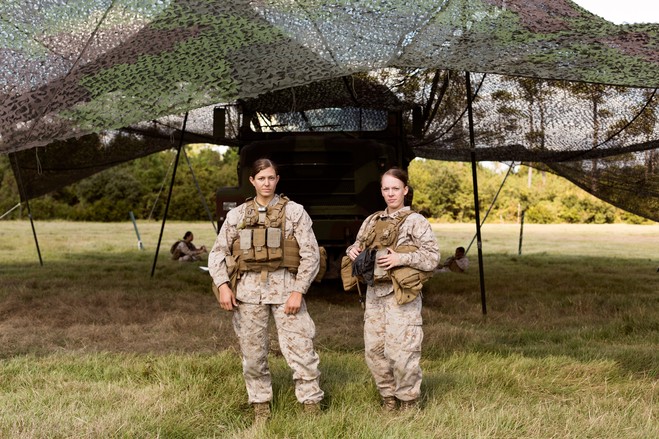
{"x":93,"y":346}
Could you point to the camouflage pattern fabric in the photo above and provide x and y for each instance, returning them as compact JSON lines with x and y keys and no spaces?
{"x":456,"y":265}
{"x":392,"y":342}
{"x":258,"y":299}
{"x":74,"y":67}
{"x":415,"y":230}
{"x":393,"y":333}
{"x":296,"y":332}
{"x":183,"y":252}
{"x":280,"y":283}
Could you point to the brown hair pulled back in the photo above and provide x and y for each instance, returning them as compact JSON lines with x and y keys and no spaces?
{"x":397,"y":173}
{"x":261,"y":164}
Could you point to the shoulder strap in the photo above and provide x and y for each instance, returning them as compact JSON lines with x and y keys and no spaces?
{"x":250,"y":214}
{"x":277,"y":213}
{"x":402,"y":217}
{"x":369,"y":230}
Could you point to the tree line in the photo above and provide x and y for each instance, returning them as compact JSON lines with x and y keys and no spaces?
{"x":443,"y":191}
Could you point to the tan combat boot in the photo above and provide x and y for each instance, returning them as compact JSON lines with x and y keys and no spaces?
{"x":389,"y":403}
{"x":311,"y":408}
{"x":412,"y":404}
{"x":261,"y":411}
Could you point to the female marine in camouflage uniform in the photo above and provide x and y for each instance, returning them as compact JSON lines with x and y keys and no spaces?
{"x":264,"y":288}
{"x":393,"y":332}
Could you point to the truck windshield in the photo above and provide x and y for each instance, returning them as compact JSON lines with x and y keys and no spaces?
{"x":325,"y":119}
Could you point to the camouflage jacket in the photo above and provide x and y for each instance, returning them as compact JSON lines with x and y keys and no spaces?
{"x":182,"y":248}
{"x":280,"y":283}
{"x":415,"y":230}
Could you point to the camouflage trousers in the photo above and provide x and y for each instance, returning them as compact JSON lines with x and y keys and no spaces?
{"x":295,"y":334}
{"x":392,"y":339}
{"x":188,"y":258}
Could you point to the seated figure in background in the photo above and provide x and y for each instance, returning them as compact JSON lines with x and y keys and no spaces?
{"x":457,"y":263}
{"x":185,"y":251}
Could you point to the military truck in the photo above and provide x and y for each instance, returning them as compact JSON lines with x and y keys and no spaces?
{"x":330,"y":161}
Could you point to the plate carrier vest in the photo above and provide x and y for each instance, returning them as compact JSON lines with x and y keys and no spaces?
{"x":261,"y":245}
{"x":383,"y":233}
{"x":407,"y":281}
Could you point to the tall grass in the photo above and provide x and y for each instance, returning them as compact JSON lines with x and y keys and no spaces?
{"x":93,"y":346}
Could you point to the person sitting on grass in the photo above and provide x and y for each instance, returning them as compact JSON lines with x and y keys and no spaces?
{"x":185,"y":251}
{"x":457,"y":263}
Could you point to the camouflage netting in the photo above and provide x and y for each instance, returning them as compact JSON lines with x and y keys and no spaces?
{"x":552,"y":83}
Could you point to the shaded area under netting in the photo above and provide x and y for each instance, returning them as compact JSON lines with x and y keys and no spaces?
{"x":556,"y":84}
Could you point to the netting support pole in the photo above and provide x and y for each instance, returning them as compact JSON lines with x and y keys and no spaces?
{"x":472,"y":147}
{"x":201,"y":194}
{"x":521,"y":232}
{"x":492,"y":204}
{"x":169,"y":195}
{"x":10,"y":210}
{"x":23,"y":194}
{"x":164,"y":179}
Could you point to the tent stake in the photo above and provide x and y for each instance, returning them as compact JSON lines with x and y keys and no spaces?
{"x":472,"y":147}
{"x":140,"y":246}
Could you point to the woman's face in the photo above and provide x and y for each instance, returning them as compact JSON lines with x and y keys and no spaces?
{"x":265,"y":183}
{"x":393,"y":192}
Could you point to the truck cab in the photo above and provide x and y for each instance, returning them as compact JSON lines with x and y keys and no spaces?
{"x":330,"y":161}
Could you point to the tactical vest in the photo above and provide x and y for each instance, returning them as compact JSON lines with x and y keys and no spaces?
{"x":261,"y":245}
{"x":407,"y":281}
{"x":382,"y":233}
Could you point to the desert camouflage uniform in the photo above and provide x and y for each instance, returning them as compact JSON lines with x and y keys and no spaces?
{"x":392,"y":332}
{"x":186,"y":250}
{"x":258,"y":300}
{"x":456,"y":265}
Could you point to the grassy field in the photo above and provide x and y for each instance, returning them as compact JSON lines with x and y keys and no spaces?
{"x":93,"y":346}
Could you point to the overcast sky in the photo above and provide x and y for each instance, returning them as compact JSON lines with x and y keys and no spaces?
{"x":623,"y":11}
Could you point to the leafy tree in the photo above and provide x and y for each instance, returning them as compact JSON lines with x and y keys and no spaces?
{"x":140,"y":186}
{"x":211,"y":170}
{"x":442,"y":190}
{"x":8,"y":188}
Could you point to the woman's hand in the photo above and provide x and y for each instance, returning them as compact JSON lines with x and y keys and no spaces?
{"x":227,"y":298}
{"x":293,"y":304}
{"x":354,"y":252}
{"x":390,"y":260}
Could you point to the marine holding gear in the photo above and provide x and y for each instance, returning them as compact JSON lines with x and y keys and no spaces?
{"x":406,"y":253}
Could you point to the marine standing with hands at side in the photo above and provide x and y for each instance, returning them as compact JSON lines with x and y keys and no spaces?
{"x":393,"y":331}
{"x":263,"y":262}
